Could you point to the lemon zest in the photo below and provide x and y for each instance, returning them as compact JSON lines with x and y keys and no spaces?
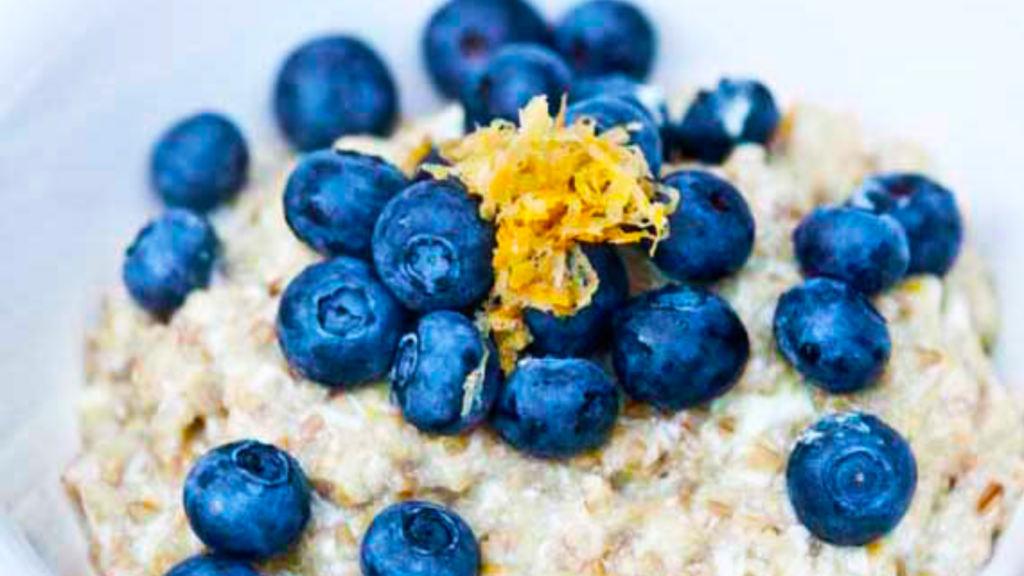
{"x":549,"y":188}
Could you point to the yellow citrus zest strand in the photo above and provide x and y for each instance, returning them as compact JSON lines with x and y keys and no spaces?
{"x":549,"y":188}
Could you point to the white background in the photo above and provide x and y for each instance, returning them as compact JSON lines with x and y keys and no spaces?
{"x":86,"y":85}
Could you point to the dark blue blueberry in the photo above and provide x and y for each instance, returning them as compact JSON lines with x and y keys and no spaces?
{"x":212,"y":565}
{"x":851,"y":479}
{"x":331,"y":87}
{"x":419,"y":539}
{"x":556,"y":408}
{"x":832,"y":335}
{"x":463,"y":35}
{"x":171,"y":256}
{"x":589,"y":329}
{"x":338,"y":325}
{"x":446,"y":374}
{"x":736,"y":112}
{"x":200,"y":162}
{"x":647,"y":97}
{"x":867,"y":251}
{"x":606,"y":37}
{"x":432,"y":249}
{"x":679,"y":347}
{"x":512,"y":78}
{"x":926,"y":210}
{"x":711,"y":234}
{"x":333,"y":199}
{"x":247,"y":500}
{"x":608,"y":112}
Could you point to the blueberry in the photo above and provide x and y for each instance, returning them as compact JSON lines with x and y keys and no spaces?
{"x":446,"y":374}
{"x":512,"y":77}
{"x":736,"y":112}
{"x":338,"y":325}
{"x":419,"y":539}
{"x":647,"y":97}
{"x":212,"y":565}
{"x":867,"y":251}
{"x":608,"y":112}
{"x":926,"y":210}
{"x":331,"y":87}
{"x":333,"y":199}
{"x":851,"y":479}
{"x":200,"y":162}
{"x":589,"y":329}
{"x":678,"y":347}
{"x":711,"y":234}
{"x":247,"y":500}
{"x":169,"y":258}
{"x":463,"y":34}
{"x":832,"y":335}
{"x":605,"y":37}
{"x":432,"y":249}
{"x":556,"y":408}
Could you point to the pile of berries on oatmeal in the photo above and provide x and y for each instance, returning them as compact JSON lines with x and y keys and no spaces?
{"x":569,"y":325}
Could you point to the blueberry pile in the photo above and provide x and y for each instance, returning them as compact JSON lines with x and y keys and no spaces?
{"x":407,"y":261}
{"x":852,"y":478}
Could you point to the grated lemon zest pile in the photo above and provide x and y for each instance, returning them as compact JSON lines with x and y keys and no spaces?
{"x":548,"y":188}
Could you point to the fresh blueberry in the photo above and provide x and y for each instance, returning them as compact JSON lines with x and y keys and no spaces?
{"x":926,"y":210}
{"x":649,"y":98}
{"x":736,"y":112}
{"x":331,"y":87}
{"x":832,"y":335}
{"x":200,"y":162}
{"x":608,"y":112}
{"x":851,"y":479}
{"x":589,"y":329}
{"x":463,"y":34}
{"x":333,"y":199}
{"x":867,"y":251}
{"x":678,"y":347}
{"x":212,"y":565}
{"x":556,"y":408}
{"x":419,"y":539}
{"x":247,"y":500}
{"x":446,"y":374}
{"x":711,"y":235}
{"x":606,"y":37}
{"x":171,"y":256}
{"x":512,"y":77}
{"x":432,"y":249}
{"x":338,"y":325}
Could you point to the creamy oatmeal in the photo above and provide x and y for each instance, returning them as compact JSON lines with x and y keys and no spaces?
{"x":698,"y":493}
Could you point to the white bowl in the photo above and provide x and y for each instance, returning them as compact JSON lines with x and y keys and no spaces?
{"x":88,"y":85}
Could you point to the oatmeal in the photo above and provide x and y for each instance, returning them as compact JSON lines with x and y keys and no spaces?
{"x":701,"y":492}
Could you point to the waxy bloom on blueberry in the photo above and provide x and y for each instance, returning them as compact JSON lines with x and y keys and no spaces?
{"x":851,"y":479}
{"x":446,"y":374}
{"x":832,"y":335}
{"x":200,"y":162}
{"x":419,"y":539}
{"x":678,"y":347}
{"x":432,"y":248}
{"x":334,"y":86}
{"x":172,"y":256}
{"x":247,"y":500}
{"x":338,"y":325}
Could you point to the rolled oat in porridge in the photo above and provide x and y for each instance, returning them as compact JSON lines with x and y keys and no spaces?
{"x":700,"y":491}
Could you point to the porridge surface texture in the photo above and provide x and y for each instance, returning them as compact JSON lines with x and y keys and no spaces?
{"x":698,"y":493}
